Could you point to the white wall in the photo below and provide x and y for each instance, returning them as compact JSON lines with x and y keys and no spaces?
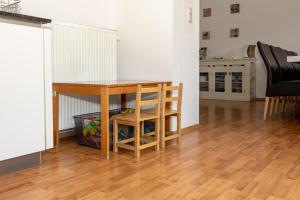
{"x":271,"y":21}
{"x":157,"y":43}
{"x":87,"y":12}
{"x":146,"y":40}
{"x":185,"y":58}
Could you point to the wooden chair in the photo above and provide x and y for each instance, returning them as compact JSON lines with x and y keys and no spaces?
{"x":140,"y":140}
{"x":167,"y":111}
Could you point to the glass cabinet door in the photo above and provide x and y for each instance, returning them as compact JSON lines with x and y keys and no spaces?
{"x":220,"y":81}
{"x":204,"y":81}
{"x":237,"y":82}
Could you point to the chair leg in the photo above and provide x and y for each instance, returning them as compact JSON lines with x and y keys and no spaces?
{"x":297,"y":103}
{"x":115,"y":136}
{"x":283,"y":104}
{"x":272,"y":106}
{"x":163,"y":132}
{"x":142,"y":129}
{"x":291,"y":104}
{"x":288,"y":104}
{"x":157,"y":131}
{"x":179,"y":128}
{"x":267,"y":100}
{"x":277,"y":99}
{"x":137,"y":140}
{"x":294,"y":104}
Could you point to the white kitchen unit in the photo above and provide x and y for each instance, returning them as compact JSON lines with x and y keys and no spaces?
{"x":227,"y":79}
{"x":25,"y":84}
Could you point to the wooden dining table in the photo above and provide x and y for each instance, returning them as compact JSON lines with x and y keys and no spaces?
{"x":100,"y":88}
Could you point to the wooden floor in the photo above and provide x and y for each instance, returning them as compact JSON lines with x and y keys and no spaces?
{"x":233,"y":156}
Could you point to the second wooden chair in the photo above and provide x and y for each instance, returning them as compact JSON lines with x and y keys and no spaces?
{"x":168,"y":110}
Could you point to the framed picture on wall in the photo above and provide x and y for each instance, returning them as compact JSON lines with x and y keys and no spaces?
{"x":234,"y":33}
{"x":235,"y":8}
{"x":206,"y":35}
{"x":207,"y":12}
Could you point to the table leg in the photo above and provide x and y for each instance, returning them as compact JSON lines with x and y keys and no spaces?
{"x":123,"y":101}
{"x":105,"y":122}
{"x":55,"y":118}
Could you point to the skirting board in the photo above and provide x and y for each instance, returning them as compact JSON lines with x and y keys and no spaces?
{"x":19,"y":163}
{"x":66,"y":133}
{"x":190,"y":128}
{"x":260,"y":99}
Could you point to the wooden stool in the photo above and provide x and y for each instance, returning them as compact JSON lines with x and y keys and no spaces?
{"x":166,"y":111}
{"x":140,"y":140}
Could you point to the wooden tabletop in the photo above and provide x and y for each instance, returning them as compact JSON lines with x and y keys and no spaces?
{"x":110,"y":83}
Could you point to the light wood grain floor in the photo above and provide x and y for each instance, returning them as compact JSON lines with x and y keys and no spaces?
{"x":235,"y":155}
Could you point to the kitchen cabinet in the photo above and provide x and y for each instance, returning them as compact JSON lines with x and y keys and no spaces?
{"x":26,"y":92}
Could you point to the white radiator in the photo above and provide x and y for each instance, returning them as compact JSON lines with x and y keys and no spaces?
{"x":82,"y":53}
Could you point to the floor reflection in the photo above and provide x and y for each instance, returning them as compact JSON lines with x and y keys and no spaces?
{"x":214,"y":113}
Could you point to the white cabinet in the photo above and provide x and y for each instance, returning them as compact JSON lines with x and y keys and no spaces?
{"x":23,"y":90}
{"x":227,"y":79}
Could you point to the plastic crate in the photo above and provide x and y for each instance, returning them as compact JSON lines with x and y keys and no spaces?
{"x":88,"y":128}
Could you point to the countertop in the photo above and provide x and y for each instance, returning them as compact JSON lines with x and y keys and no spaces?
{"x":27,"y":18}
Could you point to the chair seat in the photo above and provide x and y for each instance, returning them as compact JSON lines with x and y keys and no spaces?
{"x":131,"y":116}
{"x":168,"y":112}
{"x":286,"y":88}
{"x":291,"y":82}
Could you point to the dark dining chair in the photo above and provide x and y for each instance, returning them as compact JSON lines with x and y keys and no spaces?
{"x":281,"y":79}
{"x":296,"y":65}
{"x":288,"y":72}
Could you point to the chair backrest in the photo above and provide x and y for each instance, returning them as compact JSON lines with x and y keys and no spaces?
{"x":273,"y":75}
{"x":287,"y":70}
{"x":154,"y":100}
{"x":168,"y":97}
{"x":296,"y":65}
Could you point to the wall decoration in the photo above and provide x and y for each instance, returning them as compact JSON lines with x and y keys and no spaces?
{"x":234,"y":32}
{"x":235,"y":8}
{"x":207,"y":12}
{"x":206,"y":35}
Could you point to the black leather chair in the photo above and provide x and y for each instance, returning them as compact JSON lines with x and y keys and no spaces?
{"x":295,"y":65}
{"x":282,"y":78}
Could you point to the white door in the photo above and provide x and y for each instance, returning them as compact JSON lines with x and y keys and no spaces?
{"x":22,"y":117}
